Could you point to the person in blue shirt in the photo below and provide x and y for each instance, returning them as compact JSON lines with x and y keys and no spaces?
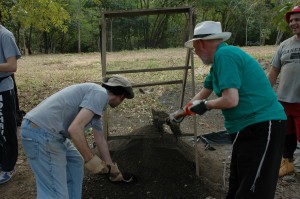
{"x":254,"y":118}
{"x":9,"y":53}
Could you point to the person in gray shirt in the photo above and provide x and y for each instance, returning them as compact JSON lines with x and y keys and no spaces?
{"x":53,"y":137}
{"x":286,"y":62}
{"x":9,"y":54}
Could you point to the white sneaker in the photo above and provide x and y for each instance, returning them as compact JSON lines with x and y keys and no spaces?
{"x":297,"y":165}
{"x":6,"y":176}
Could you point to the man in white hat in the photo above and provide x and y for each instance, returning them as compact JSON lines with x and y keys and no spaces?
{"x":286,"y":61}
{"x":254,"y":118}
{"x":53,"y":137}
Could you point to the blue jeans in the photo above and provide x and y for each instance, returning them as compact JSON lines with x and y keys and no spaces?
{"x":55,"y":162}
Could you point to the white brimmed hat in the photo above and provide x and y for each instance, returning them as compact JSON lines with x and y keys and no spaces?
{"x":118,"y":80}
{"x":208,"y":30}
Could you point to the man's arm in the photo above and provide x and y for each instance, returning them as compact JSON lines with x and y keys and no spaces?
{"x":10,"y":65}
{"x":203,"y":94}
{"x":76,"y":131}
{"x":102,"y":146}
{"x":273,"y":74}
{"x":229,"y":99}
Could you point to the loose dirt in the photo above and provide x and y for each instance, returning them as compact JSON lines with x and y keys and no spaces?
{"x":161,"y":168}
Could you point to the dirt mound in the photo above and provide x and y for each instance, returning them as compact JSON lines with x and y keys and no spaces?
{"x":162,"y":170}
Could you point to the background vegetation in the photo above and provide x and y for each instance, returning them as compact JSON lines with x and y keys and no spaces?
{"x":65,"y":26}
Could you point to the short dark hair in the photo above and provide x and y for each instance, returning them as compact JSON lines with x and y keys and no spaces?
{"x":116,"y":90}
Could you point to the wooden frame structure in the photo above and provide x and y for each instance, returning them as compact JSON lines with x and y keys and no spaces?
{"x":185,"y":68}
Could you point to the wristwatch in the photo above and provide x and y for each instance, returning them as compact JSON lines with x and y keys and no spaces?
{"x":205,"y":103}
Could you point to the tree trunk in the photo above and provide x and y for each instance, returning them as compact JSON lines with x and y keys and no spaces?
{"x":78,"y":27}
{"x":278,"y":38}
{"x":24,"y":44}
{"x":111,"y":35}
{"x":46,"y":45}
{"x":246,"y":43}
{"x":62,"y":41}
{"x":79,"y":38}
{"x":29,"y":40}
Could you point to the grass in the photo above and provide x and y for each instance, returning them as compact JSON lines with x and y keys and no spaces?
{"x":39,"y":76}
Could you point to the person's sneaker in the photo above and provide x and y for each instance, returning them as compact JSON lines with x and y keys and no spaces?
{"x":6,"y":176}
{"x":286,"y":167}
{"x":297,"y":164}
{"x":297,"y":159}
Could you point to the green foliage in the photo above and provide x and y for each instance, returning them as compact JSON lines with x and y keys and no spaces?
{"x":42,"y":14}
{"x":53,"y":26}
{"x":5,"y":7}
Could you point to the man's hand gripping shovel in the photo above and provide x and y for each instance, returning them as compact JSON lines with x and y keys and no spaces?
{"x":194,"y":107}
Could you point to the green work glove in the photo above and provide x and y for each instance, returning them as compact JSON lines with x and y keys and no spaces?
{"x":96,"y":165}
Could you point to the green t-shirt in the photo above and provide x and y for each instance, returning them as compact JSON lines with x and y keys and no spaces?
{"x":233,"y":68}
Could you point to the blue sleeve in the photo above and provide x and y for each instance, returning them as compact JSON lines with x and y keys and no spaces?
{"x":11,"y":48}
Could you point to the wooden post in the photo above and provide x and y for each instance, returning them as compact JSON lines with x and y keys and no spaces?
{"x":103,"y":62}
{"x":192,"y":25}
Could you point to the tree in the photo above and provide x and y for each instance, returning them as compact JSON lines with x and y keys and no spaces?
{"x":52,"y":26}
{"x":43,"y":15}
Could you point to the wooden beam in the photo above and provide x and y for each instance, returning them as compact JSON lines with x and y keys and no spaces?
{"x":148,"y":70}
{"x":152,"y":83}
{"x":157,"y":83}
{"x":141,"y":12}
{"x":143,"y":136}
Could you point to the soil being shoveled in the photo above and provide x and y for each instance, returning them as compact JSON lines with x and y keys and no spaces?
{"x":161,"y":168}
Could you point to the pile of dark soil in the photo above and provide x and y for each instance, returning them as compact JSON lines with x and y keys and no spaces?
{"x":161,"y":168}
